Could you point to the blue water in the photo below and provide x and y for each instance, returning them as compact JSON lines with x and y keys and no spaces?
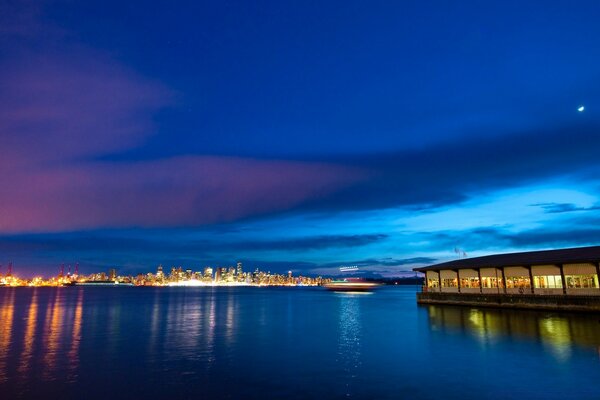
{"x":285,"y":343}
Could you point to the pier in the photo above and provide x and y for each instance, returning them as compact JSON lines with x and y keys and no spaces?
{"x":565,"y":279}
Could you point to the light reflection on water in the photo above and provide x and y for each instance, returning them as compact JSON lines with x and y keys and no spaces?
{"x":559,"y":333}
{"x":6,"y":319}
{"x":73,"y":355}
{"x":52,"y":334}
{"x":350,"y":338}
{"x":25,"y":359}
{"x":283,"y":343}
{"x":210,"y":335}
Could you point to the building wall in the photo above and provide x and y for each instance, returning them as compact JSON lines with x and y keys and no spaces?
{"x":491,"y":272}
{"x":448,"y":274}
{"x":468,"y":273}
{"x":517,"y":272}
{"x":495,"y":274}
{"x":471,"y":277}
{"x":579,"y":270}
{"x":546,"y":271}
{"x":542,"y":270}
{"x":432,"y":281}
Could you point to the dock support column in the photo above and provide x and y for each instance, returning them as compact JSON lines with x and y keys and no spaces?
{"x":440,"y":281}
{"x":562,"y":278}
{"x":497,"y":281}
{"x":480,"y":283}
{"x":457,"y":279}
{"x":531,"y":279}
{"x":503,"y":280}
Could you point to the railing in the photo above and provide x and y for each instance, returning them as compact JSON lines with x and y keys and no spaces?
{"x":430,"y":289}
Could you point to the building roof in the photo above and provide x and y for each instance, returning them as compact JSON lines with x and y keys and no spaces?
{"x":561,"y":256}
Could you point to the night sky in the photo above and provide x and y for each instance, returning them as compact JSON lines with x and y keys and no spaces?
{"x":300,"y":135}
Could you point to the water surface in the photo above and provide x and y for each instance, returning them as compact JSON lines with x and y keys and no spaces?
{"x":285,"y":343}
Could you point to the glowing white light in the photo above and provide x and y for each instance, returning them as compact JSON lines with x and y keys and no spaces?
{"x":581,"y":108}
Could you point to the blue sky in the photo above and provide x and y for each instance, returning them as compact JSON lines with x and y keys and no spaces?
{"x":295,"y":135}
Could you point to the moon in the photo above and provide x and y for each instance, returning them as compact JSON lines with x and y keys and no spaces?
{"x":580,"y":108}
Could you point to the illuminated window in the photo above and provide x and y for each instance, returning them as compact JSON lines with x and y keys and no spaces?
{"x":491,"y":282}
{"x":518,"y":282}
{"x":450,"y":282}
{"x":547,"y":282}
{"x":432,"y":283}
{"x":582,"y":281}
{"x":469,"y":282}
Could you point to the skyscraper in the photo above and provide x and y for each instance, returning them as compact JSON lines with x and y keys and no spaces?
{"x":208,"y":272}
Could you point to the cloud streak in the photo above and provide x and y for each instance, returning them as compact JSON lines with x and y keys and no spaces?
{"x":77,"y":241}
{"x":559,"y":208}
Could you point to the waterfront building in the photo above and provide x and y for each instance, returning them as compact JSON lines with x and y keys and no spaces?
{"x":566,"y":273}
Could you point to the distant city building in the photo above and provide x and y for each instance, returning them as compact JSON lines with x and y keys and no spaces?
{"x":208,"y":274}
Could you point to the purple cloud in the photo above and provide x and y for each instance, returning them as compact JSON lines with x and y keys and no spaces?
{"x":57,"y":117}
{"x":56,"y":111}
{"x":183,"y":191}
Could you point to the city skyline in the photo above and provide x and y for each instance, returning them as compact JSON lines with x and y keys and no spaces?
{"x":295,"y":136}
{"x":175,"y":276}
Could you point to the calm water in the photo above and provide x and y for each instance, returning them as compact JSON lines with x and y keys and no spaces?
{"x":285,"y":343}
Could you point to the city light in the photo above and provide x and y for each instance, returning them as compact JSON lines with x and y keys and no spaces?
{"x":178,"y":277}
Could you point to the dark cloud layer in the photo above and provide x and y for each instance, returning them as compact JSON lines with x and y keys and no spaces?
{"x":452,"y":172}
{"x":384,"y":262}
{"x":559,"y":208}
{"x":47,"y":251}
{"x":317,"y":242}
{"x":569,"y":233}
{"x":85,"y":241}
